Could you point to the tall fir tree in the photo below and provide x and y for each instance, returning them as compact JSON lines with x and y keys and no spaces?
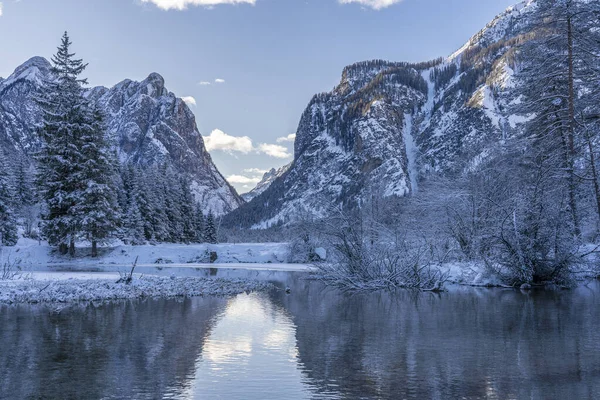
{"x":210,"y":230}
{"x":60,"y":160}
{"x":97,"y":211}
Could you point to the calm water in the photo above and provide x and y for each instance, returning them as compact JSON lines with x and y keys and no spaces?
{"x":313,"y":343}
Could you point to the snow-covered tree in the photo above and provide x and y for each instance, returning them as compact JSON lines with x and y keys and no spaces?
{"x":61,"y":158}
{"x":210,"y":230}
{"x":199,"y":224}
{"x":26,"y":207}
{"x":97,"y":210}
{"x":560,"y":66}
{"x":187,"y":211}
{"x":133,"y":224}
{"x":8,"y":224}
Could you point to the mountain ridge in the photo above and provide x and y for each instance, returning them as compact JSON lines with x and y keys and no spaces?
{"x":387,"y":125}
{"x":149,"y":124}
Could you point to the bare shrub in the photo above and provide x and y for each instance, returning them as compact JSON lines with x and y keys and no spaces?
{"x":362,"y":263}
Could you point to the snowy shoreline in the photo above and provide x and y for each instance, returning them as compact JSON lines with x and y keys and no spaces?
{"x":30,"y":291}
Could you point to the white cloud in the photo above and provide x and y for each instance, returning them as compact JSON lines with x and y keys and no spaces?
{"x":289,"y":138}
{"x":241,"y":179}
{"x":219,"y":140}
{"x":375,"y":4}
{"x":219,"y":80}
{"x":189,"y":100}
{"x":274,"y":150}
{"x":0,"y":9}
{"x":183,"y":4}
{"x":256,"y":171}
{"x":204,"y":83}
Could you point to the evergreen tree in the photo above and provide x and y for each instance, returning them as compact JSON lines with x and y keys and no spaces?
{"x":172,"y":195}
{"x":134,"y":225}
{"x":8,"y":224}
{"x":210,"y":230}
{"x":199,"y":224}
{"x":97,"y":211}
{"x":159,"y":220}
{"x":61,"y":160}
{"x":187,"y":211}
{"x":25,"y":197}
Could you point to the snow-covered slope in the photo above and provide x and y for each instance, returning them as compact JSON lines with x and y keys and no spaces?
{"x":150,"y":124}
{"x":265,"y":182}
{"x":388,"y":124}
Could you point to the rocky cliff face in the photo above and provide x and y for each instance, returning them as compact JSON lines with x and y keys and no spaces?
{"x":387,"y":125}
{"x":266,"y":181}
{"x":149,"y":124}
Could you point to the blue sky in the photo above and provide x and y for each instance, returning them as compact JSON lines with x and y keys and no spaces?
{"x":251,"y":67}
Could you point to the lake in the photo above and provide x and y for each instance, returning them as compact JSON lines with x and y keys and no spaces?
{"x":313,"y":343}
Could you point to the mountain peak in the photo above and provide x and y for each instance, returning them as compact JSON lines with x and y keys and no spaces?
{"x":154,"y":85}
{"x":30,"y":70}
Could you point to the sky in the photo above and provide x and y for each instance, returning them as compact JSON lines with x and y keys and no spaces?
{"x":246,"y":68}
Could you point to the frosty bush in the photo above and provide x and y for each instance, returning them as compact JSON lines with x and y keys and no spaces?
{"x":362,"y":263}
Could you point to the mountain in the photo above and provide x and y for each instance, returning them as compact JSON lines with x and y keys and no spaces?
{"x":265,"y":182}
{"x":149,"y":124}
{"x":387,"y":125}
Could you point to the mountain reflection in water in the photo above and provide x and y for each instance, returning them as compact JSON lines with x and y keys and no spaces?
{"x":313,"y":343}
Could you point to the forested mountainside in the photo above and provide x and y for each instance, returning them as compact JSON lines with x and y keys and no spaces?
{"x":149,"y":126}
{"x":387,"y":125}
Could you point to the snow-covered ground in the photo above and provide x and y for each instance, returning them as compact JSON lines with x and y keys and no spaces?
{"x":102,"y":289}
{"x":165,"y":270}
{"x":35,"y":256}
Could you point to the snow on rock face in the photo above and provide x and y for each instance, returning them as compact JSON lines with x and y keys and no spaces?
{"x":349,"y":143}
{"x":150,"y":124}
{"x":265,"y":182}
{"x":388,"y":123}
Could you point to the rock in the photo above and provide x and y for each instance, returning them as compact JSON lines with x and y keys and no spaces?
{"x":213,"y":257}
{"x":321,"y":253}
{"x":526,"y":286}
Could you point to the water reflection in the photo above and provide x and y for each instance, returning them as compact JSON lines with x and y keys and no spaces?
{"x":313,"y":343}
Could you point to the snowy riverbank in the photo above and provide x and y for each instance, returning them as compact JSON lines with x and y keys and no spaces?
{"x":84,"y":290}
{"x":40,"y":275}
{"x":34,"y":255}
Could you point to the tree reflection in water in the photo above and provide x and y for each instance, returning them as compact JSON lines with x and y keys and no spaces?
{"x":313,"y":343}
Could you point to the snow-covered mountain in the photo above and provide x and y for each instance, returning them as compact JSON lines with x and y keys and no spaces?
{"x":266,"y":181}
{"x":150,"y":124}
{"x":388,"y":124}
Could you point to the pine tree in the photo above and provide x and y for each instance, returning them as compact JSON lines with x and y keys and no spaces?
{"x":133,"y":224}
{"x":8,"y":224}
{"x":210,"y":231}
{"x":61,"y":160}
{"x":199,"y":224}
{"x":97,"y":210}
{"x":187,"y":211}
{"x":25,"y":197}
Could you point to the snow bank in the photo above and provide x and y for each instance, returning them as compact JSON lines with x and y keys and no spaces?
{"x":77,"y":290}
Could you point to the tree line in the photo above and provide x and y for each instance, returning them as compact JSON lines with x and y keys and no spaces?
{"x":78,"y":188}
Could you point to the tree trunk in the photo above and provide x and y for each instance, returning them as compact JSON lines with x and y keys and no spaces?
{"x":63,"y":248}
{"x":72,"y":248}
{"x":571,"y":130}
{"x":94,"y":248}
